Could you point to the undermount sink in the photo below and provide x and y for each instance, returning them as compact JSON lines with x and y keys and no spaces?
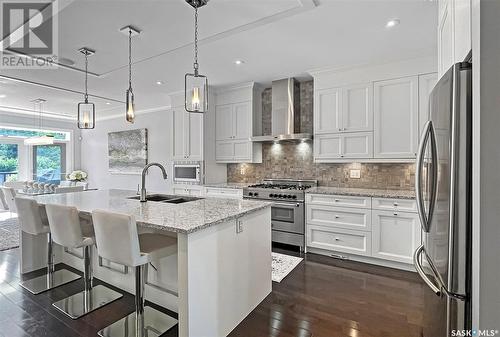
{"x":181,"y":200}
{"x":171,"y":199}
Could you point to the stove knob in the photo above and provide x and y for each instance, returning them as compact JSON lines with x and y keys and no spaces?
{"x":250,"y":194}
{"x":294,"y":197}
{"x":281,"y":196}
{"x":256,"y":194}
{"x":289,"y":196}
{"x":271,"y":195}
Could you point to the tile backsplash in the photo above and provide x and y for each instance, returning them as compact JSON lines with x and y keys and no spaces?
{"x":288,"y":160}
{"x":295,"y":161}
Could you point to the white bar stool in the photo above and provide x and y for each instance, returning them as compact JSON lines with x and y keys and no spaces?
{"x":32,"y":222}
{"x":69,"y":231}
{"x":118,"y":241}
{"x":9,"y":196}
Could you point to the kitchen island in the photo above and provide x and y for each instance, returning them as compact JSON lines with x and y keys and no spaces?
{"x":220,"y":272}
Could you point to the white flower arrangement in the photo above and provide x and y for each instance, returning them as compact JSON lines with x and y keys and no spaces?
{"x":77,"y":175}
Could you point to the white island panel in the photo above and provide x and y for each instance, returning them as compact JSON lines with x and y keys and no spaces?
{"x":224,"y":273}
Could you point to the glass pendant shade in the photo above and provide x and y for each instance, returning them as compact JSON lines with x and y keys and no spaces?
{"x":130,"y":107}
{"x":196,"y":93}
{"x":86,"y":115}
{"x":86,"y":109}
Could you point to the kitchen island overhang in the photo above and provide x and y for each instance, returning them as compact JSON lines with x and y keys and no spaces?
{"x":222,"y":268}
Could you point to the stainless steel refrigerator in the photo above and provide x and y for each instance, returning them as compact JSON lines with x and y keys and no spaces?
{"x":443,"y":188}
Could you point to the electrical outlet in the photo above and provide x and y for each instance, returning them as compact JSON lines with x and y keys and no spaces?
{"x":355,"y":174}
{"x":239,"y":226}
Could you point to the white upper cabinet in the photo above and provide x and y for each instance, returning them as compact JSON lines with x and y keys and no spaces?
{"x":372,"y":113}
{"x":224,"y":122}
{"x":463,"y":27}
{"x":195,"y":138}
{"x":187,"y":135}
{"x":357,"y":145}
{"x":238,"y":117}
{"x":327,"y":111}
{"x":357,"y":107}
{"x":396,"y":118}
{"x":425,"y":85}
{"x":445,"y":37}
{"x":344,"y":109}
{"x":242,"y":120}
{"x":335,"y":146}
{"x":327,"y":147}
{"x":454,"y":33}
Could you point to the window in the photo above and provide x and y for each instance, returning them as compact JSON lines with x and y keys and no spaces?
{"x":25,"y":133}
{"x":49,"y":163}
{"x":9,"y":162}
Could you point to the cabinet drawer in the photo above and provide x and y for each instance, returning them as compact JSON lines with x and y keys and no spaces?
{"x":223,"y":192}
{"x":340,"y":240}
{"x":339,"y":200}
{"x":401,"y":205}
{"x":338,"y":217}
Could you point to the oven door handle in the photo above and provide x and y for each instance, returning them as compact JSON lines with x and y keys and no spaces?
{"x":286,"y":205}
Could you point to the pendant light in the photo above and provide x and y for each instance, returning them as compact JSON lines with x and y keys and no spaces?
{"x":130,"y":106}
{"x":196,"y":85}
{"x":40,"y":139}
{"x":86,"y":110}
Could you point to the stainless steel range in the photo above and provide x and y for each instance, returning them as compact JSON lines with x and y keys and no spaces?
{"x":288,"y":211}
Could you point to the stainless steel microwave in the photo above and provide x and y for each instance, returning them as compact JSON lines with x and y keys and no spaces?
{"x":187,"y":172}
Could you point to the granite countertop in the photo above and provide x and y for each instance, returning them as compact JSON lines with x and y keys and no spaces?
{"x":184,"y":218}
{"x":229,"y":185}
{"x":363,"y":192}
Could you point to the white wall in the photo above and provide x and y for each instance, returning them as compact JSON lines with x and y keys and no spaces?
{"x":95,"y":151}
{"x":12,"y":119}
{"x":486,"y":163}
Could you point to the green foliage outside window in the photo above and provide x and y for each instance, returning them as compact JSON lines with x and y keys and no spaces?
{"x":8,"y":158}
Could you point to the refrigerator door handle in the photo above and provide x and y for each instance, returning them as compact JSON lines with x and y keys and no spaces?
{"x":420,"y":271}
{"x":427,"y":134}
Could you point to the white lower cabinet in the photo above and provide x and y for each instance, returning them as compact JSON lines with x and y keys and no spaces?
{"x":396,"y":235}
{"x":338,"y":217}
{"x":188,"y":190}
{"x":218,"y":192}
{"x":380,"y":230}
{"x":339,"y":240}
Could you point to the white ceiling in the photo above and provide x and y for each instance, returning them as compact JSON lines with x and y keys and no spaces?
{"x":275,"y":38}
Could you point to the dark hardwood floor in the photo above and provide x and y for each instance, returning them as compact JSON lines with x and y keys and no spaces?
{"x":321,"y":297}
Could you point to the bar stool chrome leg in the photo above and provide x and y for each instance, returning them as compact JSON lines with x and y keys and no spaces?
{"x":53,"y":278}
{"x":91,"y":298}
{"x":145,"y":321}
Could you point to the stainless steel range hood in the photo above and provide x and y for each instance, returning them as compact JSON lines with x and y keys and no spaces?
{"x":285,"y":116}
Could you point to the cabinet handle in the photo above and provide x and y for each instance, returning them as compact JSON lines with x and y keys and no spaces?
{"x":340,"y":129}
{"x":341,"y":156}
{"x":345,"y":129}
{"x":337,"y":239}
{"x":336,"y":216}
{"x":396,"y":204}
{"x":336,"y":200}
{"x":396,"y":214}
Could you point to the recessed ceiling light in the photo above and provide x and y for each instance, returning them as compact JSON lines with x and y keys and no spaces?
{"x":239,"y":62}
{"x":392,"y":23}
{"x":159,"y":82}
{"x":3,"y":96}
{"x":107,"y":103}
